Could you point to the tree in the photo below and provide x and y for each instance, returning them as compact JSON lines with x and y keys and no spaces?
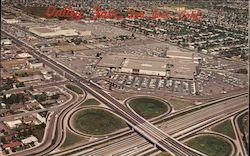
{"x":31,"y":88}
{"x":199,"y":48}
{"x":41,"y":98}
{"x":56,"y":96}
{"x":98,"y":54}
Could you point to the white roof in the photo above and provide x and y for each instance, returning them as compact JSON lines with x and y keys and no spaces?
{"x":13,"y":124}
{"x":6,"y":41}
{"x":23,"y":55}
{"x":29,"y":140}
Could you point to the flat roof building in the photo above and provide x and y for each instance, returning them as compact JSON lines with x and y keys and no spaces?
{"x":48,"y":32}
{"x":13,"y":124}
{"x":145,"y":67}
{"x":29,"y":140}
{"x":157,"y":66}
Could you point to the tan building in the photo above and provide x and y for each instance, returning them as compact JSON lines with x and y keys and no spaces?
{"x":157,"y":66}
{"x":48,"y":32}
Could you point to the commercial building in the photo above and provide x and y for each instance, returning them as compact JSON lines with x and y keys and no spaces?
{"x":183,"y":55}
{"x":178,"y":68}
{"x":48,"y":32}
{"x":145,"y":67}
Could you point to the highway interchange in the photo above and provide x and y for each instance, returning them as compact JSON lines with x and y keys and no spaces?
{"x":164,"y":138}
{"x":186,"y":124}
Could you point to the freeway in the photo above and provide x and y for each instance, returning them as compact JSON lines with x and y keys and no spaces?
{"x":60,"y":130}
{"x":126,"y":131}
{"x":142,"y":126}
{"x":186,"y":124}
{"x":239,"y":134}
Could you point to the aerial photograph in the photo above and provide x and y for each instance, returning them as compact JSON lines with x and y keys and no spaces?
{"x":124,"y":78}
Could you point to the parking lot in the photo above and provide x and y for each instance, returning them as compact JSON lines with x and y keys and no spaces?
{"x":209,"y":82}
{"x":151,"y":83}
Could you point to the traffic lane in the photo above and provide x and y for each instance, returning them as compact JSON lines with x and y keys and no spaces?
{"x":183,"y":123}
{"x":60,"y":128}
{"x":47,"y":142}
{"x":197,"y":116}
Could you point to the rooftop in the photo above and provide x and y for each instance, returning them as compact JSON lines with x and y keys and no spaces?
{"x":141,"y":64}
{"x":13,"y":62}
{"x":13,"y":144}
{"x":111,"y":61}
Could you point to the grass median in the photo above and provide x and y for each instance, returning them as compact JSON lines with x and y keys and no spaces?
{"x":72,"y":139}
{"x":74,"y":89}
{"x":210,"y":145}
{"x":148,"y":107}
{"x":226,"y":128}
{"x":97,"y":122}
{"x":90,"y":102}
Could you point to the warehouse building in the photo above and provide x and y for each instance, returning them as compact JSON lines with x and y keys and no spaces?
{"x":48,"y":32}
{"x":144,"y":67}
{"x":156,"y":66}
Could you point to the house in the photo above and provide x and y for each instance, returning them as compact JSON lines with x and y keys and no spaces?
{"x":3,"y":105}
{"x":29,"y":119}
{"x":40,"y":118}
{"x":47,"y":77}
{"x":13,"y":63}
{"x":17,"y":107}
{"x":6,"y":75}
{"x":32,"y":105}
{"x":35,"y":64}
{"x":23,"y":55}
{"x":30,"y":140}
{"x":4,"y":128}
{"x":10,"y":20}
{"x":12,"y":145}
{"x":6,"y":42}
{"x":13,"y":124}
{"x":33,"y":78}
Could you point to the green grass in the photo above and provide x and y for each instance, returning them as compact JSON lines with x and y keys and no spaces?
{"x":74,"y":88}
{"x":121,"y":95}
{"x":180,"y":104}
{"x":148,"y":107}
{"x":210,"y":145}
{"x":72,"y":139}
{"x":243,"y":125}
{"x":97,"y":122}
{"x":226,"y":128}
{"x":24,"y":73}
{"x":90,"y":102}
{"x":38,"y":131}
